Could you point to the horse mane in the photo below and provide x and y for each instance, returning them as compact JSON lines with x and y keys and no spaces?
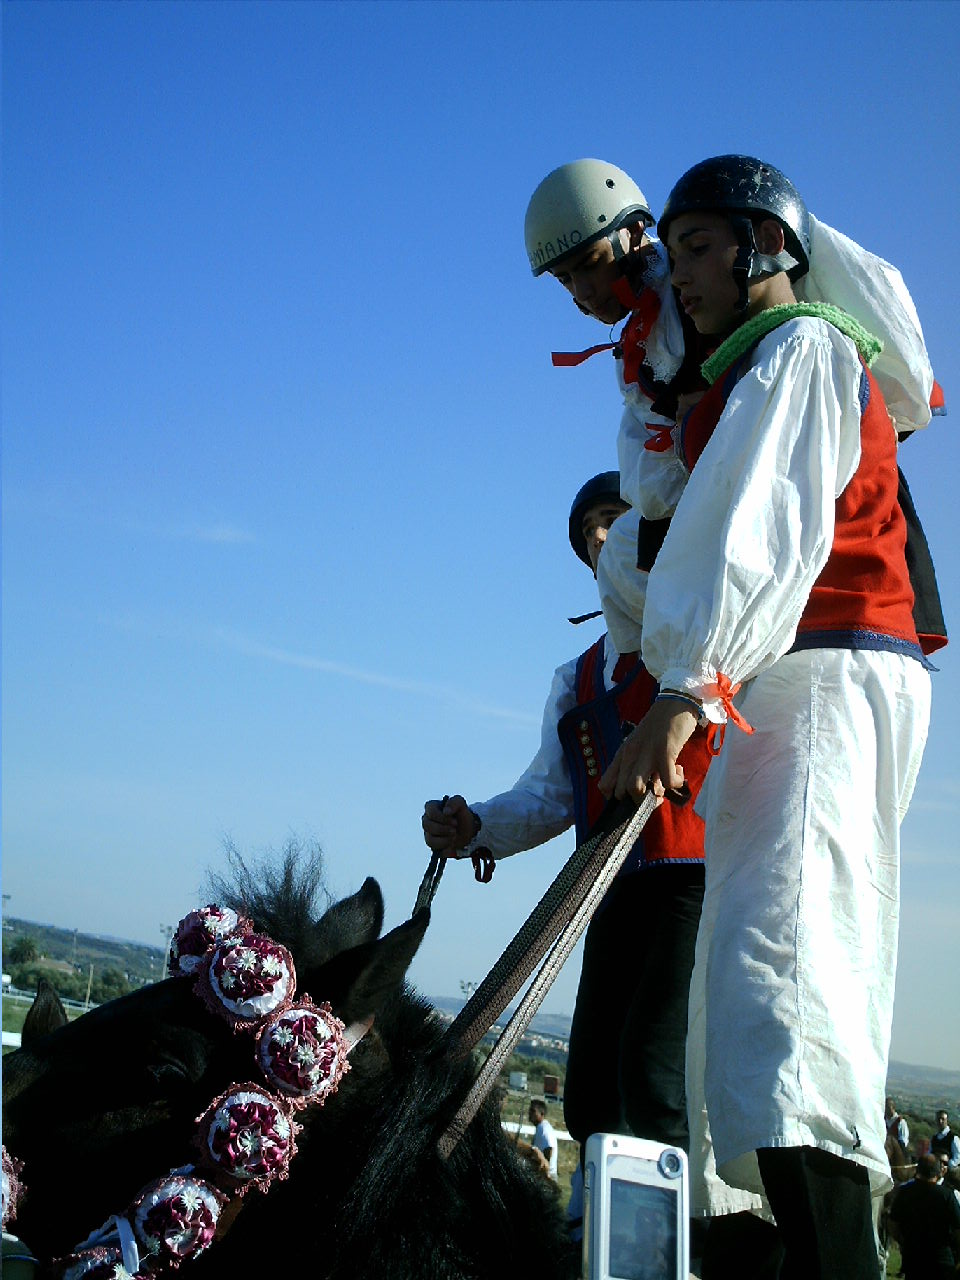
{"x":282,"y":896}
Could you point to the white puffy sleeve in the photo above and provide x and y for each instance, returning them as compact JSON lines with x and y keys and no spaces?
{"x":622,"y":586}
{"x":650,"y":480}
{"x":873,"y":292}
{"x":539,"y":805}
{"x":754,"y":527}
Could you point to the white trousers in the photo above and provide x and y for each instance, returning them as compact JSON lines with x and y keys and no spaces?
{"x":791,"y":1001}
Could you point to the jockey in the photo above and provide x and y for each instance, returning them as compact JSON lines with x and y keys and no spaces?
{"x":784,"y":571}
{"x":590,"y":226}
{"x":625,"y":1069}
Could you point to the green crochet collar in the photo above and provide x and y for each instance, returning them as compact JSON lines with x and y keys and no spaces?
{"x":750,"y":333}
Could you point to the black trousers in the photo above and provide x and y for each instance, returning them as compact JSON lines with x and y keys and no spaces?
{"x":824,"y":1213}
{"x":824,"y":1227}
{"x":625,"y":1069}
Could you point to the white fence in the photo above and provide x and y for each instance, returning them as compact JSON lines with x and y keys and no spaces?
{"x":18,"y":996}
{"x":11,"y":1039}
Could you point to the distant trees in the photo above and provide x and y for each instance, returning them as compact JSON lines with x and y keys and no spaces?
{"x":107,"y":984}
{"x":69,"y":986}
{"x":24,"y":950}
{"x":110,"y":984}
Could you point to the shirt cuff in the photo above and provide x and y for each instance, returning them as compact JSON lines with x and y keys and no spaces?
{"x":702,"y":688}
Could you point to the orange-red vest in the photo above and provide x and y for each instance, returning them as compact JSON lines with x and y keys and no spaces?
{"x":863,"y":598}
{"x":590,"y":735}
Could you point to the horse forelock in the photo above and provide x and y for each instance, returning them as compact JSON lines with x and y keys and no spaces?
{"x":283,"y":897}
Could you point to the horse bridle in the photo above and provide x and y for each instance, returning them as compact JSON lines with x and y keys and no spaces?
{"x":247,"y":1135}
{"x":556,"y":923}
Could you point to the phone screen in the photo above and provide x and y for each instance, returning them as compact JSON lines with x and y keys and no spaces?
{"x":643,"y":1231}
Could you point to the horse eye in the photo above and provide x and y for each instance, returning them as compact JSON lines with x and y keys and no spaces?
{"x":167,"y":1076}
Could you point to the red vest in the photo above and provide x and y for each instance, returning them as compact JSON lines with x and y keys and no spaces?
{"x":863,"y":598}
{"x":590,"y":735}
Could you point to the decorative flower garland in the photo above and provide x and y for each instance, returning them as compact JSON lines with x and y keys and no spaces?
{"x":11,"y":1188}
{"x":247,"y":1136}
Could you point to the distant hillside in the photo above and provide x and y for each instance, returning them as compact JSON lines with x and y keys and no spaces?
{"x":546,"y":1024}
{"x":135,"y":960}
{"x":925,"y":1085}
{"x":904,"y":1078}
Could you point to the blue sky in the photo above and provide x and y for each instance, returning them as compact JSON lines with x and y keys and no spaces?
{"x":286,"y":468}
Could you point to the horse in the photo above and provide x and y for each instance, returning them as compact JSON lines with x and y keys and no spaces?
{"x":99,"y":1107}
{"x":901,"y":1167}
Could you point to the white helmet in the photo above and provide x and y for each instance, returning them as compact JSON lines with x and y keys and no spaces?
{"x":577,"y":204}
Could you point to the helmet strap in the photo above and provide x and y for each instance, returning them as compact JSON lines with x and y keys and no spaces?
{"x":616,"y":244}
{"x":743,"y":263}
{"x":751,"y":264}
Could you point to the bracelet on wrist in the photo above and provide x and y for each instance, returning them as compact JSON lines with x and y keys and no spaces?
{"x":692,"y":703}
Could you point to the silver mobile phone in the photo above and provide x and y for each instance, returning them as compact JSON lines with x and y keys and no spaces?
{"x":635,"y":1210}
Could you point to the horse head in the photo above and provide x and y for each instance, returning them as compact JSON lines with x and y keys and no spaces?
{"x":100,"y":1107}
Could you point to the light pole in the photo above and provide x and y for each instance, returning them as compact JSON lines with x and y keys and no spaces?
{"x":167,"y":931}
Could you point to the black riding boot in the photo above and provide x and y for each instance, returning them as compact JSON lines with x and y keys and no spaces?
{"x":824,"y":1213}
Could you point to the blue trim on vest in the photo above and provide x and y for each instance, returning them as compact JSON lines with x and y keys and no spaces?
{"x":599,"y":688}
{"x":603,"y":716}
{"x":864,"y":394}
{"x":872,"y":640}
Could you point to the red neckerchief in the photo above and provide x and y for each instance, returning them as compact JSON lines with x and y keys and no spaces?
{"x":644,"y":309}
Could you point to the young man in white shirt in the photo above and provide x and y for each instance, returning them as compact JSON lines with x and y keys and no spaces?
{"x":544,"y":1136}
{"x":780,"y":600}
{"x":625,"y":1070}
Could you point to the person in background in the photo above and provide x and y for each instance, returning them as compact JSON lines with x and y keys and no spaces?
{"x":897,"y":1127}
{"x":544,"y":1135}
{"x":924,"y":1219}
{"x":945,"y":1141}
{"x":947,"y":1177}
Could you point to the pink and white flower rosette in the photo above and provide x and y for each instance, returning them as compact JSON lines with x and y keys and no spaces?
{"x":99,"y":1263}
{"x":302,"y":1052}
{"x":175,"y":1218}
{"x":199,"y":932}
{"x":249,"y":1136}
{"x":11,"y":1188}
{"x":246,"y":979}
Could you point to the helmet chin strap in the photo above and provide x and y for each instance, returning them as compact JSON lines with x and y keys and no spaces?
{"x":751,"y":264}
{"x":621,"y":288}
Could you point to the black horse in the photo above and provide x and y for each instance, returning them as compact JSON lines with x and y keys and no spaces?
{"x":102,"y":1106}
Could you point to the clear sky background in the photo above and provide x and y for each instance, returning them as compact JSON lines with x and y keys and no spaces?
{"x":286,"y":467}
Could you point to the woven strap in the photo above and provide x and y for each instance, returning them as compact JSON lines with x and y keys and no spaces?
{"x":429,"y":884}
{"x":559,"y":918}
{"x":538,"y":931}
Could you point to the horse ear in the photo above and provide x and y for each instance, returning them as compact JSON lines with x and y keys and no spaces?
{"x":356,"y":982}
{"x":46,"y":1014}
{"x":350,"y":922}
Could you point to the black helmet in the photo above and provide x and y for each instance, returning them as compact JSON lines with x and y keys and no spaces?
{"x":606,"y":485}
{"x":745,"y":187}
